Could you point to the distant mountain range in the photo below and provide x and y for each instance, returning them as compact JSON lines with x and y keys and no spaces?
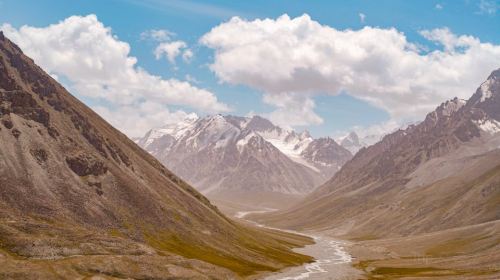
{"x":354,"y":143}
{"x":240,"y":157}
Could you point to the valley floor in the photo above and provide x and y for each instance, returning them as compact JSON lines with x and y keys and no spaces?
{"x":332,"y":261}
{"x":471,"y":252}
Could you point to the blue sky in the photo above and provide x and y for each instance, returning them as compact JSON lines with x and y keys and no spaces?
{"x":190,"y":20}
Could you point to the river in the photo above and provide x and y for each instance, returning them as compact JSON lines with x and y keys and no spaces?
{"x":332,"y":261}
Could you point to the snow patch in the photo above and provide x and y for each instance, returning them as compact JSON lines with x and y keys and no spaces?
{"x":176,"y":130}
{"x":240,"y":145}
{"x":489,"y":126}
{"x":293,"y":150}
{"x":453,"y":106}
{"x":485,"y":89}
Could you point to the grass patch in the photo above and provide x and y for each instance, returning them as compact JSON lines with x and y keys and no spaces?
{"x":412,"y":271}
{"x":449,"y":248}
{"x":173,"y":244}
{"x":116,"y":233}
{"x":373,"y":271}
{"x":462,"y":246}
{"x":385,"y":272}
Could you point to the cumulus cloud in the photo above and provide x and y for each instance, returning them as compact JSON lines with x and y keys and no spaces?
{"x":187,"y":55}
{"x":292,"y":109}
{"x":167,"y":47}
{"x":380,"y":66}
{"x":135,"y":119}
{"x":98,"y":65}
{"x":438,"y":6}
{"x":170,"y":50}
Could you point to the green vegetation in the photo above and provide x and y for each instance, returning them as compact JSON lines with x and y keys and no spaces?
{"x":116,"y":233}
{"x":373,"y":271}
{"x":383,"y":272}
{"x":171,"y":243}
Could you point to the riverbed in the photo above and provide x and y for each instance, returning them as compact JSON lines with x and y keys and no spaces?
{"x":332,"y":261}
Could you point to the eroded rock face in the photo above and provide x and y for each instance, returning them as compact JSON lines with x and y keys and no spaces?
{"x":84,"y":165}
{"x":40,"y":155}
{"x":7,"y":123}
{"x":16,"y":133}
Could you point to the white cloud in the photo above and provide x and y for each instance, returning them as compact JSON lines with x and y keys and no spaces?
{"x":170,"y":50}
{"x":362,"y":17}
{"x":136,"y":119}
{"x":489,"y":7}
{"x":159,"y":35}
{"x":98,"y":65}
{"x":166,"y":47}
{"x":292,"y":109}
{"x":187,"y":55}
{"x":438,"y":7}
{"x":380,"y":66}
{"x":377,"y":131}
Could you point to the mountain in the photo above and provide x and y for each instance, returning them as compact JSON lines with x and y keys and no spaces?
{"x":353,"y":142}
{"x":247,"y":159}
{"x":79,"y":199}
{"x":435,"y":176}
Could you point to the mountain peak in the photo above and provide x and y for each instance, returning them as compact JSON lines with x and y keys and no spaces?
{"x":353,"y":136}
{"x":305,"y":134}
{"x":451,"y":106}
{"x":350,"y":139}
{"x":259,"y":123}
{"x":488,"y":89}
{"x":487,"y":97}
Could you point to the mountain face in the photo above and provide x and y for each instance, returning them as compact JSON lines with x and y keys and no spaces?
{"x":439,"y":174}
{"x":221,"y":155}
{"x":353,"y":142}
{"x":79,"y":199}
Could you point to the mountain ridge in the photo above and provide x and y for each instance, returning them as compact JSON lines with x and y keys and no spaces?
{"x":225,"y":154}
{"x":76,"y":195}
{"x":452,"y":140}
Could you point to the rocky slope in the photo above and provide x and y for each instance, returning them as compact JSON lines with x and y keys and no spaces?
{"x":439,"y":174}
{"x":245,"y":159}
{"x":79,"y":199}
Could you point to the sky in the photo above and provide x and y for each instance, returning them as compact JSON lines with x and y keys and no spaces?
{"x":327,"y":66}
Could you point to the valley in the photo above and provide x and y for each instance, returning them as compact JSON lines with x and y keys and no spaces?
{"x":249,"y":140}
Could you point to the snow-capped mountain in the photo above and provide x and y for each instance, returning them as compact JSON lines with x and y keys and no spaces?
{"x":353,"y":142}
{"x":229,"y":154}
